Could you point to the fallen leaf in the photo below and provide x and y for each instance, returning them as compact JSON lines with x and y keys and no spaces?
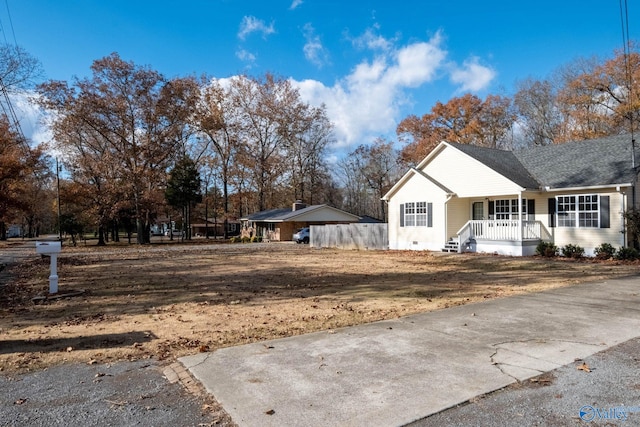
{"x":203,"y":348}
{"x":92,"y":362}
{"x":270,"y":412}
{"x":584,"y":367}
{"x":19,"y":401}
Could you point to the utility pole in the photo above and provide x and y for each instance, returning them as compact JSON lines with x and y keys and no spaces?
{"x":59,"y":211}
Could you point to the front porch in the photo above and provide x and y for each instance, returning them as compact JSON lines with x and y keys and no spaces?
{"x":505,"y":237}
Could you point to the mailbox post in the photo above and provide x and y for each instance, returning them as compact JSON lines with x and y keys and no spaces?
{"x":52,"y":249}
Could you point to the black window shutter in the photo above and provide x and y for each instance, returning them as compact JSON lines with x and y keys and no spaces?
{"x":492,"y":208}
{"x":429,"y":214}
{"x":402,"y":215}
{"x":604,"y":212}
{"x":552,"y":212}
{"x":531,"y":209}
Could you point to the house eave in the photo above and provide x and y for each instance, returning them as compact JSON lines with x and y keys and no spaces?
{"x":549,"y":189}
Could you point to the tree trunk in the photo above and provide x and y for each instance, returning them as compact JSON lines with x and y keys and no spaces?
{"x":101,"y":241}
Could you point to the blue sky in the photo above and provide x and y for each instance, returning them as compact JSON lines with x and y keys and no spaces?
{"x":371,"y":62}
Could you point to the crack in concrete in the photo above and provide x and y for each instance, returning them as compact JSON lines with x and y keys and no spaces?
{"x":500,"y":365}
{"x":206,"y":357}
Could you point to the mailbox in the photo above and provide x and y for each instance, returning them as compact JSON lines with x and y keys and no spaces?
{"x":52,"y":249}
{"x":48,"y":248}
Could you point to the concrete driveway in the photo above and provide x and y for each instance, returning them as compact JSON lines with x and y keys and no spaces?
{"x":392,"y":373}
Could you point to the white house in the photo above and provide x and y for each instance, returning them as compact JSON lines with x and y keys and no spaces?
{"x":468,"y":198}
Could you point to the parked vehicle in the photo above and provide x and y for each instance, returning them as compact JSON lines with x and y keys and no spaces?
{"x":302,"y":235}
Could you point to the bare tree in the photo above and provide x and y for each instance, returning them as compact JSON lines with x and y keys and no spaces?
{"x":135,"y":116}
{"x":308,"y":135}
{"x":219,"y":124}
{"x":540,"y":117}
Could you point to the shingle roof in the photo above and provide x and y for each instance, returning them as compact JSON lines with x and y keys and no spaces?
{"x":594,"y":162}
{"x":285,"y":214}
{"x":269,"y":215}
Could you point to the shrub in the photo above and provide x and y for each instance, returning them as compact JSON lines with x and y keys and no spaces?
{"x":245,"y":239}
{"x":256,"y":239}
{"x":627,"y":254}
{"x":235,"y":239}
{"x":572,"y":251}
{"x":546,"y":249}
{"x":604,"y":251}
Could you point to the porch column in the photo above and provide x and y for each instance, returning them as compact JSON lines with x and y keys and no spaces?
{"x":520,"y":213}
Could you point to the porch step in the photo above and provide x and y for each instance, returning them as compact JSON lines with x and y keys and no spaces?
{"x":451,"y":246}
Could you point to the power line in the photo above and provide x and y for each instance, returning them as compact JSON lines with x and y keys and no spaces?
{"x":6,"y":2}
{"x":6,"y":104}
{"x":624,"y":20}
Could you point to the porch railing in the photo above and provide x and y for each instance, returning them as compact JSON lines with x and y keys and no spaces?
{"x":503,"y":230}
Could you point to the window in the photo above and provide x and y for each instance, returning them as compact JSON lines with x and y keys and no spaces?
{"x":410,"y":214}
{"x":416,"y":214}
{"x":578,"y":211}
{"x":421,"y":214}
{"x":508,"y":209}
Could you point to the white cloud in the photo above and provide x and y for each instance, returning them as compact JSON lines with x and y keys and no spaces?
{"x":245,"y":55}
{"x":31,"y":118}
{"x":373,"y":41}
{"x":473,"y":76}
{"x":251,"y":24}
{"x":313,"y":49}
{"x":367,"y":102}
{"x":295,"y":4}
{"x":417,"y":63}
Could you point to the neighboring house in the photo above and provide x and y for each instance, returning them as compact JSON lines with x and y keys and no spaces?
{"x":280,"y":224}
{"x":469,"y":198}
{"x":215,"y":228}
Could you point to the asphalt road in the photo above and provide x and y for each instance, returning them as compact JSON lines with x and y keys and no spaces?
{"x":609,"y":395}
{"x":122,"y":394}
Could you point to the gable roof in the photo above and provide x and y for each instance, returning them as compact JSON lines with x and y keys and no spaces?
{"x":407,"y":176}
{"x":288,"y":214}
{"x":506,"y":163}
{"x":590,"y":163}
{"x":595,"y":162}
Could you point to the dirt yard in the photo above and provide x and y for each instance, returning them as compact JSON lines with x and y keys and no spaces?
{"x":165,"y":301}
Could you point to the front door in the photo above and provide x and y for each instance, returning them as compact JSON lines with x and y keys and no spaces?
{"x":477,"y":211}
{"x":477,"y":214}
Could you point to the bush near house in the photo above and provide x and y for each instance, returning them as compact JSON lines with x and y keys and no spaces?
{"x":546,"y":249}
{"x":604,"y":251}
{"x":573,"y":251}
{"x":627,"y":254}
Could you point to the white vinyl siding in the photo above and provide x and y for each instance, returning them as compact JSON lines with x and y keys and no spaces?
{"x":467,"y":177}
{"x":415,"y":190}
{"x":591,"y":237}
